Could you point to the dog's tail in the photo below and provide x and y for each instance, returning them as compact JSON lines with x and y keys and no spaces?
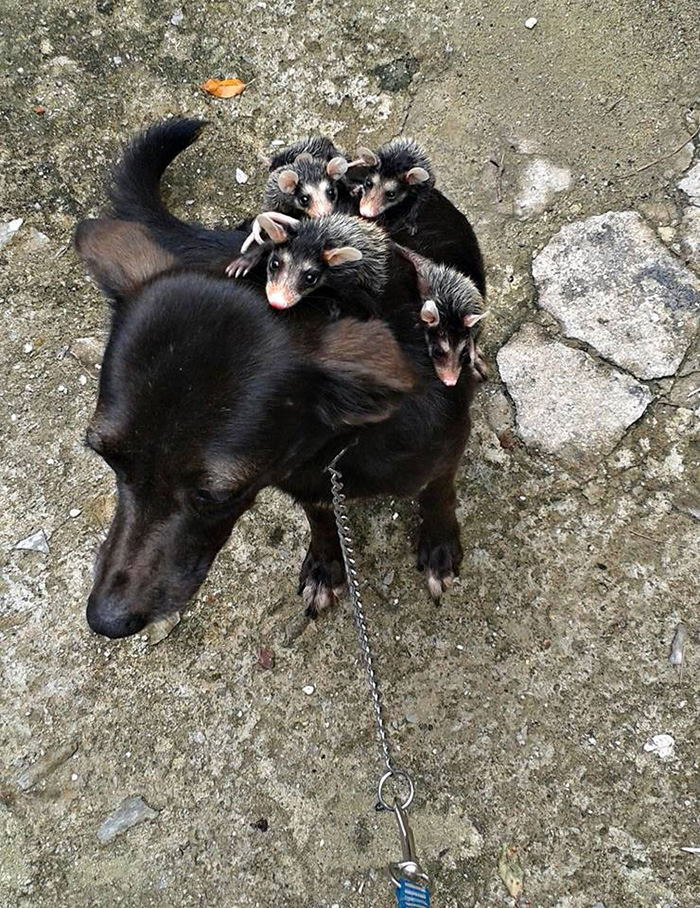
{"x":134,"y":192}
{"x":135,"y":195}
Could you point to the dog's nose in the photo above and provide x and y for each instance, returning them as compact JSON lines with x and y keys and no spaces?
{"x":108,"y":618}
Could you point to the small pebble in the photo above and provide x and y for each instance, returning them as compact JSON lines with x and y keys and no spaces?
{"x":241,"y":176}
{"x":198,"y":737}
{"x":74,"y":777}
{"x":28,"y":347}
{"x":36,"y":542}
{"x":309,"y":690}
{"x":74,"y":512}
{"x":677,"y":646}
{"x":83,"y":380}
{"x":8,"y":230}
{"x":661,"y":745}
{"x":176,"y":18}
{"x":158,"y":630}
{"x":531,"y":22}
{"x":130,"y":812}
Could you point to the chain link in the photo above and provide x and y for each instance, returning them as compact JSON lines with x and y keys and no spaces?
{"x":348,"y":552}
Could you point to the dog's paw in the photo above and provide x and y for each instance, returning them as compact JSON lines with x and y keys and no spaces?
{"x":440,"y":562}
{"x":320,"y":583}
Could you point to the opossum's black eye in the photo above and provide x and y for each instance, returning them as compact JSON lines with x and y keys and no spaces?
{"x":330,"y":192}
{"x":390,"y":194}
{"x":310,"y":278}
{"x":368,"y":183}
{"x":274,"y":263}
{"x":304,"y":200}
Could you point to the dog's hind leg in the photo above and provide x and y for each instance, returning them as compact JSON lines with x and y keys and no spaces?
{"x":322,"y":575}
{"x":439,"y":546}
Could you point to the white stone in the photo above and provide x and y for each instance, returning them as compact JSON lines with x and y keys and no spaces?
{"x":611,"y":283}
{"x":129,"y":813}
{"x":309,"y":690}
{"x":567,"y":403}
{"x":690,"y":236}
{"x":74,"y":512}
{"x":690,"y":184}
{"x":36,"y":542}
{"x":540,"y":182}
{"x":158,"y":630}
{"x":531,"y":22}
{"x":8,"y":230}
{"x":241,"y":176}
{"x":661,"y":745}
{"x":176,"y":18}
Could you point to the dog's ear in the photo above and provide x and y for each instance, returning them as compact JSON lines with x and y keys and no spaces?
{"x":120,"y":255}
{"x":365,"y":373}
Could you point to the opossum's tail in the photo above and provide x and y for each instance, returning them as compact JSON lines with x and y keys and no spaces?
{"x":135,"y":195}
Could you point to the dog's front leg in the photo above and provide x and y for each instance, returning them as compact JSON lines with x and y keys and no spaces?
{"x":439,"y":546}
{"x":322,"y":573}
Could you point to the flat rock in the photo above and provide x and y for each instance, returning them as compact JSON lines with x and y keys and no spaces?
{"x":611,"y":283}
{"x":567,"y":403}
{"x":130,"y":812}
{"x":53,"y":758}
{"x":35,"y":542}
{"x":690,"y":236}
{"x":690,"y":184}
{"x":539,"y":184}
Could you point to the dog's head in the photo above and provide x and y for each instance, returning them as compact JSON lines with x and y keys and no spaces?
{"x":206,"y":397}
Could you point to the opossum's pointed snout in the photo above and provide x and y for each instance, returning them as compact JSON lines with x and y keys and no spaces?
{"x":369,"y":209}
{"x":448,"y":377}
{"x":280,"y":297}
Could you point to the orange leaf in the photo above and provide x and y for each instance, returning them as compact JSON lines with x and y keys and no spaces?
{"x":224,"y":88}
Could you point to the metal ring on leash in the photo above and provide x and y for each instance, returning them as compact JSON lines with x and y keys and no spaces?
{"x":399,"y":774}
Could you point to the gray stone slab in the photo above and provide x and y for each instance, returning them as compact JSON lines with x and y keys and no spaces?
{"x":690,"y":184}
{"x":567,"y":403}
{"x":611,"y":283}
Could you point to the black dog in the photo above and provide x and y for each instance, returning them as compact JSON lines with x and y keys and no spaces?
{"x":207,"y":396}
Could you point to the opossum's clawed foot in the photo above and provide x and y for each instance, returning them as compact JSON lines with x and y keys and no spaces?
{"x":479,"y":369}
{"x":244,"y":264}
{"x":320,"y":583}
{"x":440,"y":562}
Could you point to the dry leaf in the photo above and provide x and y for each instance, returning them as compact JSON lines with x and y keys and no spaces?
{"x":510,"y":870}
{"x":224,"y":88}
{"x":266,"y":659}
{"x":39,"y":110}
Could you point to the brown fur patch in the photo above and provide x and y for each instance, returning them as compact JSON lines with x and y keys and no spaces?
{"x":120,"y":255}
{"x":368,"y":352}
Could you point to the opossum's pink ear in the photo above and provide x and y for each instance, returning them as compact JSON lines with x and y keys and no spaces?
{"x":364,"y":373}
{"x":337,"y":168}
{"x":429,"y":314}
{"x":335,"y":257}
{"x":273,"y":229}
{"x":367,"y":157}
{"x":416,"y":175}
{"x":471,"y":319}
{"x":304,"y":156}
{"x":120,"y":255}
{"x":288,"y":181}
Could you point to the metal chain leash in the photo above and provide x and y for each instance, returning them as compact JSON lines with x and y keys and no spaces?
{"x":408,"y":876}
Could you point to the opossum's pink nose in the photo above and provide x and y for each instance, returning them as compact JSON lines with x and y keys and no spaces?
{"x":281,"y":297}
{"x":369,"y":209}
{"x":448,"y":377}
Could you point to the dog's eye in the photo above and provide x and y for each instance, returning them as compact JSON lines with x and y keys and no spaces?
{"x":214,"y":497}
{"x":304,"y":200}
{"x":310,"y":278}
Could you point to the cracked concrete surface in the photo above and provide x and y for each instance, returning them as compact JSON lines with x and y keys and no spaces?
{"x":524,"y":703}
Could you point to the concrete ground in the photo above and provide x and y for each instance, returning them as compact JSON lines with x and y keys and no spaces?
{"x":528,"y":704}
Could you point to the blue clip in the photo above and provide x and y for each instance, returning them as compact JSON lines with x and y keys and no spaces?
{"x":411,"y":895}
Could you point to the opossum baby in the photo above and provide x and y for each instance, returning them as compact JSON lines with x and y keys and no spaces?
{"x":341,"y":254}
{"x":399,"y":181}
{"x":305,"y":182}
{"x":451,"y":310}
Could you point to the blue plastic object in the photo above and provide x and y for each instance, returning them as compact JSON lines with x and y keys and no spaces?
{"x":410,"y":895}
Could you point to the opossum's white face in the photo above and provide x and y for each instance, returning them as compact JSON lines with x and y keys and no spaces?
{"x":378,"y":194}
{"x":317,"y":200}
{"x":292,"y":274}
